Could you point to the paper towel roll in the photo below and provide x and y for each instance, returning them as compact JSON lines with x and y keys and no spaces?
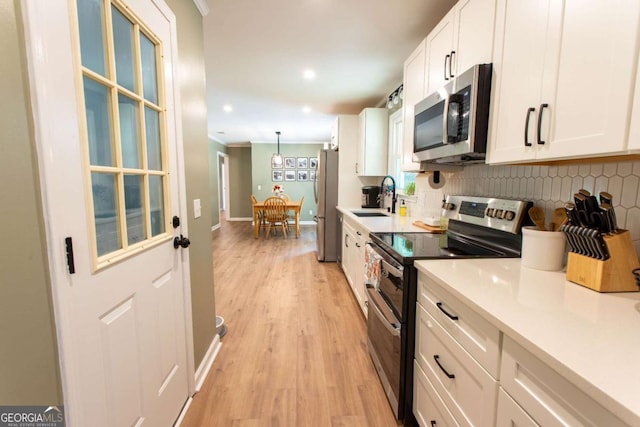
{"x":436,"y":180}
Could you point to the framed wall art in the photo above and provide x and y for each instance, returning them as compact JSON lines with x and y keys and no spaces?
{"x":289,"y":175}
{"x":289,"y":162}
{"x":303,"y":175}
{"x":303,"y":163}
{"x":313,"y":163}
{"x":276,"y":175}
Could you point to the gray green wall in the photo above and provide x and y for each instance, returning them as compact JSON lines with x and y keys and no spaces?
{"x":196,"y":156}
{"x":239,"y":182}
{"x":214,"y":182}
{"x":29,"y":373}
{"x":261,"y":176}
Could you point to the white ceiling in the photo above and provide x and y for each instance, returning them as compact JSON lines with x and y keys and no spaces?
{"x":257,"y":50}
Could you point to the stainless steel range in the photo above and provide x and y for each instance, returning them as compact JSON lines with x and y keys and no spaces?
{"x":478,"y":227}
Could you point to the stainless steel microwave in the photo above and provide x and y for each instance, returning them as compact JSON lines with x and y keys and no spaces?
{"x":451,"y":124}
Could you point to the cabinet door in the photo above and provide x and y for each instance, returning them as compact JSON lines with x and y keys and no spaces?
{"x":518,"y":63}
{"x":510,"y":413}
{"x":347,"y":251}
{"x":372,"y":142}
{"x":428,"y":408}
{"x":439,"y":45}
{"x":358,"y":265}
{"x":634,"y":128}
{"x":473,"y":35}
{"x":414,"y":92}
{"x":589,"y":77}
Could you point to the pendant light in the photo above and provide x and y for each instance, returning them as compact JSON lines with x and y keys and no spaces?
{"x":276,"y":159}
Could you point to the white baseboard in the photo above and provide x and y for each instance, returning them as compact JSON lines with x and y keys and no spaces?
{"x":215,"y":227}
{"x":183,"y":413}
{"x":207,"y":362}
{"x":307,"y":222}
{"x":241,"y":219}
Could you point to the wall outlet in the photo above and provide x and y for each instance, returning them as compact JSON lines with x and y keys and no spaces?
{"x":259,"y":187}
{"x":310,"y":212}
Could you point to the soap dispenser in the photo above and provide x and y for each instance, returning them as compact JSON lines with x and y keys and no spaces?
{"x":403,"y":209}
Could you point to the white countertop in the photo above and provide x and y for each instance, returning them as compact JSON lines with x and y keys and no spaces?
{"x":591,"y":338}
{"x":379,"y":224}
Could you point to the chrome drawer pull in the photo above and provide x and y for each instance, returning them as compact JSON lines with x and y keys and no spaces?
{"x":449,"y":315}
{"x":450,"y":376}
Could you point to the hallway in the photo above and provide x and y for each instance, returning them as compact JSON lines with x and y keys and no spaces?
{"x":295,"y":351}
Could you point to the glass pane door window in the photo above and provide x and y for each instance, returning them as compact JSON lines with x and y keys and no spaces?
{"x":124,"y":124}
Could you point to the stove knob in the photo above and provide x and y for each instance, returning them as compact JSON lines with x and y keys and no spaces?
{"x":509,"y":215}
{"x":490,"y":212}
{"x":499,"y":214}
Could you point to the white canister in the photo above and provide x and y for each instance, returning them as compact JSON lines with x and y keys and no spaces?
{"x":543,"y":250}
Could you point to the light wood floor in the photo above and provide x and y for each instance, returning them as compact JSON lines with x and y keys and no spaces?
{"x":295,"y":352}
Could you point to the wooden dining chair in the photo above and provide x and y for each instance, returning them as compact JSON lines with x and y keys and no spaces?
{"x":275,"y":214}
{"x":260,"y":214}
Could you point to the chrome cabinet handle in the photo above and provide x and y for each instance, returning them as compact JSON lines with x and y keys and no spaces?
{"x":449,"y":315}
{"x":526,"y":127}
{"x":542,"y":107}
{"x":436,"y":358}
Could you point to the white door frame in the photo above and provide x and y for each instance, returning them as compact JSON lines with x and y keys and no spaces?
{"x":223,"y":184}
{"x":45,"y":91}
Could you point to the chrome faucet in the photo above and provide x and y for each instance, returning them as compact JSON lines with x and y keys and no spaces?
{"x":394,"y":198}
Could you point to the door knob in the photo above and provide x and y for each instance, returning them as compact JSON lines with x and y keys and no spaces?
{"x":181,"y":241}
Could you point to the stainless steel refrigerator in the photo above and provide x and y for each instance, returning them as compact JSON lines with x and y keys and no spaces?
{"x":326,"y":193}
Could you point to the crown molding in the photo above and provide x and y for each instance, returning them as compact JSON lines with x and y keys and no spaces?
{"x":202,"y":6}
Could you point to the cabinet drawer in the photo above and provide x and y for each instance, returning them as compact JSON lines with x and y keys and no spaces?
{"x":547,"y":397}
{"x":467,"y":389}
{"x":428,"y":408}
{"x":510,"y":413}
{"x":479,"y":337}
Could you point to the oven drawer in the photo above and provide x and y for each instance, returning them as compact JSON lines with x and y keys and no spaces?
{"x":428,"y":408}
{"x":467,"y":389}
{"x":479,"y":337}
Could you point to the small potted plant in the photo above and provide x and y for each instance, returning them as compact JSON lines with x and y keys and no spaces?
{"x":410,"y":189}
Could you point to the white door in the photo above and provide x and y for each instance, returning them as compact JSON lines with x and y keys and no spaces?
{"x":108,"y":134}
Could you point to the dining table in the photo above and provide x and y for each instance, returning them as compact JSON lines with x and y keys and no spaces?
{"x":291,"y":205}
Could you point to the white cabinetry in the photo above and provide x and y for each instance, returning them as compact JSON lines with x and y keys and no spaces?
{"x":548,"y":398}
{"x":563,"y":79}
{"x":414,"y":91}
{"x":447,"y":346}
{"x":353,"y":241}
{"x":372,"y":142}
{"x":463,"y":38}
{"x":345,"y":135}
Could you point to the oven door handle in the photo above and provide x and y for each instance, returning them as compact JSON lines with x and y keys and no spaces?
{"x":396,"y":271}
{"x":374,"y":301}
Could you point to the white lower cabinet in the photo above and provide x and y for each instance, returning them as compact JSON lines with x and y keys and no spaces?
{"x":510,"y":414}
{"x":353,"y":242}
{"x":457,"y":351}
{"x":467,"y":389}
{"x":547,"y":397}
{"x":428,"y":408}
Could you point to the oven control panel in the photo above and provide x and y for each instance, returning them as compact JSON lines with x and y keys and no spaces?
{"x":500,"y":214}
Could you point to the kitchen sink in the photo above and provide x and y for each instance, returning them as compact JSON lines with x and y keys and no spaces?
{"x":368,"y":214}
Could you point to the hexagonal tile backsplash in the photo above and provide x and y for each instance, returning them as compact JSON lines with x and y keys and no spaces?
{"x":549,"y":187}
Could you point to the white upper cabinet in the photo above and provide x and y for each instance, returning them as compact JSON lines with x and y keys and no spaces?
{"x":463,"y":38}
{"x":372,"y":142}
{"x":564,"y":73}
{"x":413,"y":92}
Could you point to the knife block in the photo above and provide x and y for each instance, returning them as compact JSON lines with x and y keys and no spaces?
{"x":612,"y":275}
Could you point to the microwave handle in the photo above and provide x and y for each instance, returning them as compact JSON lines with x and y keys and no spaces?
{"x":445,"y":122}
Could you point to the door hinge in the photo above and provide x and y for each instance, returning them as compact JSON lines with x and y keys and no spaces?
{"x":68,"y":245}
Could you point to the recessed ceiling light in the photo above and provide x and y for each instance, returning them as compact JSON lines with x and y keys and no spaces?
{"x":306,"y":109}
{"x":309,"y":74}
{"x":228,"y":108}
